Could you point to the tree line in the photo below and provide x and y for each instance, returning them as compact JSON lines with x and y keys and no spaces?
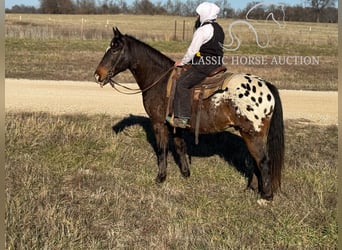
{"x":313,"y":11}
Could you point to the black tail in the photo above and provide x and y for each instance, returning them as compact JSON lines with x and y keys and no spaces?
{"x":275,"y":140}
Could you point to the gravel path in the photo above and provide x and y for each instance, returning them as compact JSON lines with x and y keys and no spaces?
{"x":61,"y":97}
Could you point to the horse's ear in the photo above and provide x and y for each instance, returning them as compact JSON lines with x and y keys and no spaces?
{"x":117,"y":32}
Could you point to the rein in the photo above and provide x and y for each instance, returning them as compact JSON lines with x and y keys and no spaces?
{"x":137,"y":91}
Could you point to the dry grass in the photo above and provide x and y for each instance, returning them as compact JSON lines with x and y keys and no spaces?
{"x":53,"y":47}
{"x":97,"y":27}
{"x":73,"y":183}
{"x":323,"y":76}
{"x":77,"y":60}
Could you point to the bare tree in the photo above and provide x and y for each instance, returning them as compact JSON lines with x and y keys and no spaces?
{"x":319,"y":5}
{"x":315,"y":10}
{"x":86,"y":6}
{"x":21,"y":9}
{"x":122,"y":6}
{"x":143,"y":7}
{"x":147,"y":7}
{"x":66,"y":6}
{"x":174,"y":7}
{"x":49,"y":6}
{"x":56,"y":7}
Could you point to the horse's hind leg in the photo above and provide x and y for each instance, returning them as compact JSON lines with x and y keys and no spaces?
{"x":181,"y":153}
{"x":256,"y":145}
{"x":162,"y":138}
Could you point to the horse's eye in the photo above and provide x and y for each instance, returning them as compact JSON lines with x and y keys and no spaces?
{"x":114,"y":44}
{"x":114,"y":47}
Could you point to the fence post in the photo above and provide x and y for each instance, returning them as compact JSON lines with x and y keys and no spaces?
{"x":82,"y":29}
{"x":183,"y":38}
{"x":175,"y":31}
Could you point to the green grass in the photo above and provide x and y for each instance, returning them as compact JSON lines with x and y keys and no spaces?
{"x":73,"y":183}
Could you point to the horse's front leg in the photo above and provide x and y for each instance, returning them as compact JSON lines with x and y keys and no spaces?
{"x":162,"y":138}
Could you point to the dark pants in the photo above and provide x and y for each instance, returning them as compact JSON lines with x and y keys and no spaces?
{"x":188,"y":79}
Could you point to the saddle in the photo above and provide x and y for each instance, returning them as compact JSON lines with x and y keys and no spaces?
{"x":209,"y":86}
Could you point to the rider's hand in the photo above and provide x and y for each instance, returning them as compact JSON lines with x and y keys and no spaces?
{"x":179,"y":64}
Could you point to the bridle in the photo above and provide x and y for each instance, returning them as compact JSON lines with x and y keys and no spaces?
{"x":113,"y":83}
{"x":111,"y":71}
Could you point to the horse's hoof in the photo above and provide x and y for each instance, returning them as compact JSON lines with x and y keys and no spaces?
{"x":253,"y":188}
{"x":160,"y":178}
{"x":253,"y":184}
{"x":263,"y":202}
{"x":186,"y":174}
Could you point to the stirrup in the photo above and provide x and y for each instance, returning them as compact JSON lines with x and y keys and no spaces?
{"x":169,"y":119}
{"x":178,"y":122}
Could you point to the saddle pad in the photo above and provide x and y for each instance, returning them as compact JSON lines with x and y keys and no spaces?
{"x":210,"y":85}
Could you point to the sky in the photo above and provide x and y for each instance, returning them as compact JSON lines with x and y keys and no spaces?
{"x":235,"y":4}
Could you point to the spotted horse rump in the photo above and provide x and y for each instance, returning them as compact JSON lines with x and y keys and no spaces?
{"x":250,"y":96}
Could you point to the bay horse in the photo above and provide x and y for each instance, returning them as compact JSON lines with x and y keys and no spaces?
{"x":249,"y":104}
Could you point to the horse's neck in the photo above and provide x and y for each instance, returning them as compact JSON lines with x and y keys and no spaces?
{"x":146,"y":75}
{"x":147,"y":68}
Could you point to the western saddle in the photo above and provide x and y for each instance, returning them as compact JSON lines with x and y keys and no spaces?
{"x":200,"y":92}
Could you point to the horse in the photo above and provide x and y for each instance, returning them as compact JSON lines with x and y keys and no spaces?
{"x":249,"y":104}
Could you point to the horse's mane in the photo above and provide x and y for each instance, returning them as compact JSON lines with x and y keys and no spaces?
{"x":153,"y":54}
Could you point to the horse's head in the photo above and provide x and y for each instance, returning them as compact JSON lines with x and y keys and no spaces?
{"x":114,"y":60}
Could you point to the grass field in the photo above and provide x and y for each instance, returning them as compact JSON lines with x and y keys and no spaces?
{"x":162,"y":28}
{"x":73,"y":50}
{"x":72,"y":182}
{"x":87,"y":182}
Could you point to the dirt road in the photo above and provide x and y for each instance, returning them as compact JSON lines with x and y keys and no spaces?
{"x":87,"y":97}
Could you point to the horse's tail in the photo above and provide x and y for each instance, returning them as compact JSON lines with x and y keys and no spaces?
{"x":275,"y":140}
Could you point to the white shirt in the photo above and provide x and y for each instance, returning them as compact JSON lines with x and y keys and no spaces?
{"x":202,"y":35}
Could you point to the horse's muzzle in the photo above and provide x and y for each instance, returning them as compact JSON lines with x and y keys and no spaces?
{"x":102,"y":76}
{"x":99,"y":80}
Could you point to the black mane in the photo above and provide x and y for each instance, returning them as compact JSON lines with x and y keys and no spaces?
{"x":153,"y":54}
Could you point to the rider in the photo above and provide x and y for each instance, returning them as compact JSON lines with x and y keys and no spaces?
{"x":204,"y":54}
